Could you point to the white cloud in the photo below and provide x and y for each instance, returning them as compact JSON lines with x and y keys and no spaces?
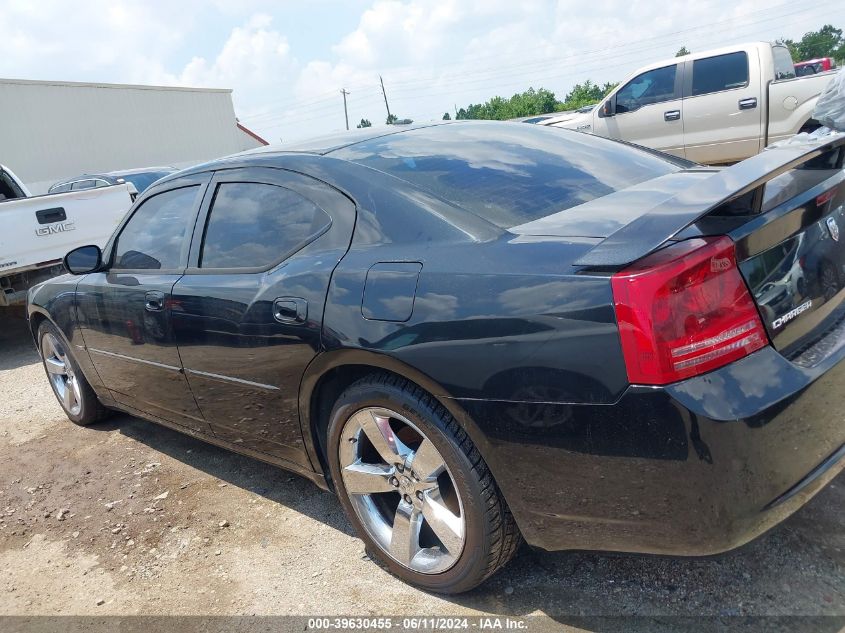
{"x":433,"y":54}
{"x":253,"y":54}
{"x":51,"y":39}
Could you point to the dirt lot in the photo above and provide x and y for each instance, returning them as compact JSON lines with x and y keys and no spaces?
{"x":131,"y":518}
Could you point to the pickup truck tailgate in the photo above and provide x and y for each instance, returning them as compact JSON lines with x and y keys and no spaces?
{"x":42,"y":229}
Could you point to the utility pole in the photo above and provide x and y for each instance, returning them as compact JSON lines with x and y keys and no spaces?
{"x":345,"y":92}
{"x":385,"y":96}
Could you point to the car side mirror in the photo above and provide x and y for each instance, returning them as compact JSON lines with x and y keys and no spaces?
{"x":133,"y":191}
{"x":84,"y":260}
{"x":607,"y":108}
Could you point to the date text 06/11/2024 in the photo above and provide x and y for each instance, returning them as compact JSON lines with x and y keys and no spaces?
{"x":429,"y":623}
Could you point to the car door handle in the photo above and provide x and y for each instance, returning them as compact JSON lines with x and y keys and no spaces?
{"x":672,"y":115}
{"x":154,"y":301}
{"x":290,"y":310}
{"x":748,"y":104}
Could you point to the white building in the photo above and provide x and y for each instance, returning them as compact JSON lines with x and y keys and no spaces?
{"x":51,"y":130}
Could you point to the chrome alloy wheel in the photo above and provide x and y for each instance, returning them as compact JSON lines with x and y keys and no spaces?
{"x":61,"y":374}
{"x":402,"y":490}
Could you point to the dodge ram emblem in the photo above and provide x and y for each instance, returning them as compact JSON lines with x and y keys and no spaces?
{"x":833,"y":228}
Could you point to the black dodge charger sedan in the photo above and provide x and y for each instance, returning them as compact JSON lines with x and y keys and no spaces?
{"x":477,"y":333}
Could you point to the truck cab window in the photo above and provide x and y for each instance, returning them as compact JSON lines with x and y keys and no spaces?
{"x":722,"y":72}
{"x":653,"y":86}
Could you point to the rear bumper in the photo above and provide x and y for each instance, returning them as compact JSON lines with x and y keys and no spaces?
{"x":695,"y":468}
{"x":14,"y":287}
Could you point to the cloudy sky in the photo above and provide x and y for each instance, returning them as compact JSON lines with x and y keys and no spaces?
{"x":288,"y":60}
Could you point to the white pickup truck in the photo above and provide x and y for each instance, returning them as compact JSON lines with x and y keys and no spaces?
{"x":37,"y":231}
{"x":717,"y":106}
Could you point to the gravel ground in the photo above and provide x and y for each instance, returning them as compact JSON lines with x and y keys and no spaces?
{"x":131,"y":518}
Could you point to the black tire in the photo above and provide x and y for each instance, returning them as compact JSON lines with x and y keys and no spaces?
{"x":491,"y":535}
{"x":90,"y":409}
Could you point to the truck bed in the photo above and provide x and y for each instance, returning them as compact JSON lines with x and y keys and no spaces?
{"x":787,"y":98}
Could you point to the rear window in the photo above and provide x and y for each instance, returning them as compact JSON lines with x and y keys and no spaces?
{"x":144,"y":179}
{"x":9,"y":189}
{"x":510,"y":173}
{"x":784,"y":68}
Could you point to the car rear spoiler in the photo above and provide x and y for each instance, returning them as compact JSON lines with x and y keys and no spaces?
{"x":652,"y":229}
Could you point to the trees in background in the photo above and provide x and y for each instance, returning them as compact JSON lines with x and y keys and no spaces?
{"x":364,"y":123}
{"x":539,"y":101}
{"x":826,"y":42}
{"x":585,"y":94}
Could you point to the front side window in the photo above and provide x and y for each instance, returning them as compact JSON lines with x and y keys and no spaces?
{"x":784,"y":69}
{"x":254,"y":225}
{"x":60,"y":188}
{"x":723,"y":72}
{"x":653,"y":86}
{"x":156,"y":236}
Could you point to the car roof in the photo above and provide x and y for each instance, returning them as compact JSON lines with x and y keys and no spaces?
{"x":711,"y":52}
{"x":331,"y":145}
{"x":67,"y":181}
{"x":337,"y":140}
{"x":112,"y":174}
{"x":138,"y":170}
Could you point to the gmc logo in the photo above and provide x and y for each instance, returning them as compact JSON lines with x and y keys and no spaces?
{"x":52,"y":229}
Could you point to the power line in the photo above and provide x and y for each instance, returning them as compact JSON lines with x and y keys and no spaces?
{"x":598,"y":63}
{"x":492,"y":76}
{"x":482,"y":76}
{"x":604,"y":54}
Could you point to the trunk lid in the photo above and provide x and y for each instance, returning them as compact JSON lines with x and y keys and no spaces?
{"x":604,"y":216}
{"x":785,"y":211}
{"x":794,"y":260}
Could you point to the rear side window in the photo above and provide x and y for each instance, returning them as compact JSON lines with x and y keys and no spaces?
{"x":155,"y":238}
{"x":723,"y":72}
{"x":60,"y":188}
{"x":784,"y":69}
{"x":83,"y":184}
{"x":510,"y":173}
{"x":254,"y":225}
{"x":654,"y":86}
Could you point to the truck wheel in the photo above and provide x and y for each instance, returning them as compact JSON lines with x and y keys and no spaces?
{"x":415,"y":487}
{"x":72,"y":390}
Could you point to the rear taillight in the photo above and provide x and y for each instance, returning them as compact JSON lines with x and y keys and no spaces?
{"x":684,"y":311}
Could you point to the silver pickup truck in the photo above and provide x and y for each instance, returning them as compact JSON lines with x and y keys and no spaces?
{"x":717,"y":106}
